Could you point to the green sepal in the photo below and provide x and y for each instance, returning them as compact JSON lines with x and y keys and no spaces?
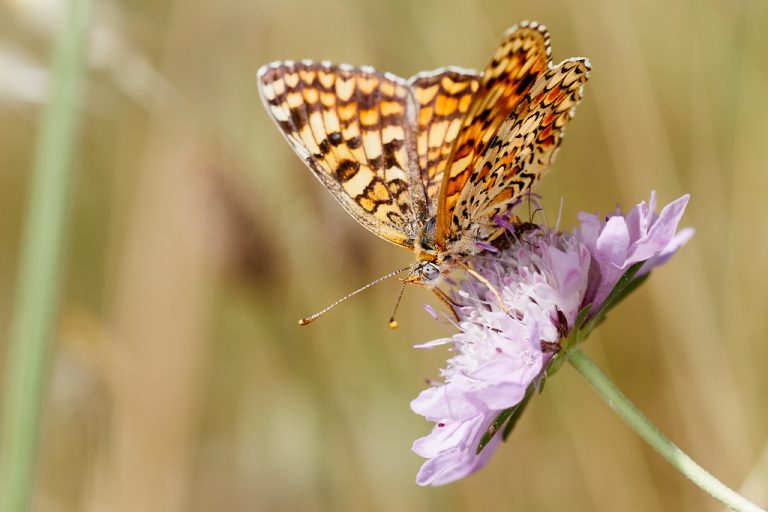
{"x":517,"y":412}
{"x":495,"y":427}
{"x":623,"y":287}
{"x":582,"y":316}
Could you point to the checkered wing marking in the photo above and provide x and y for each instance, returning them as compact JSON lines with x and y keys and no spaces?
{"x":521,"y":58}
{"x":353,"y":127}
{"x":442,"y":98}
{"x":520,"y":152}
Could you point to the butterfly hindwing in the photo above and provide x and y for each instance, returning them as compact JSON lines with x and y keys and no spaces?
{"x":442,"y":99}
{"x":519,"y":153}
{"x":353,"y":127}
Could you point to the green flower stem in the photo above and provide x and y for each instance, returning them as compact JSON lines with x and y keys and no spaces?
{"x":37,"y":288}
{"x":640,"y":424}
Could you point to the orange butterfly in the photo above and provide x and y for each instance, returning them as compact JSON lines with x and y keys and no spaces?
{"x":429,"y":163}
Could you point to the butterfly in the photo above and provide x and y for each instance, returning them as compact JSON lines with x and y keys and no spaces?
{"x":433,"y":162}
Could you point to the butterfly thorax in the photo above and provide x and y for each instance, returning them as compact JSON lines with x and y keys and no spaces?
{"x":429,"y":260}
{"x":434,"y":260}
{"x":425,"y":247}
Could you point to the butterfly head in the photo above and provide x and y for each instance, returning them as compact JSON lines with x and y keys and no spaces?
{"x":427,"y":272}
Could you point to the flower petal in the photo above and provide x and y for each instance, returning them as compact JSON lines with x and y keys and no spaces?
{"x":613,"y":242}
{"x":457,"y":461}
{"x":448,"y":401}
{"x":660,"y":233}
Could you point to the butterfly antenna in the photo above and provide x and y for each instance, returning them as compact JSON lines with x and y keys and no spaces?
{"x":530,"y":217}
{"x":392,"y":322}
{"x":312,"y":318}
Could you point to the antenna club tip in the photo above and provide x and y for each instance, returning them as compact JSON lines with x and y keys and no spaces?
{"x":393,"y":324}
{"x":304,"y":321}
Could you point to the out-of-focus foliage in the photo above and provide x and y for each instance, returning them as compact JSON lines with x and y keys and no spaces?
{"x":197,"y":239}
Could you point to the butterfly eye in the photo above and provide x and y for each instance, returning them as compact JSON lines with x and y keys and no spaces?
{"x":430,"y":271}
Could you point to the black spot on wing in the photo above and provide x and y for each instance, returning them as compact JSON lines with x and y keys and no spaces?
{"x":347,"y":169}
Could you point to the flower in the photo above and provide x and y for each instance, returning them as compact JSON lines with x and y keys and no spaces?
{"x":544,"y":279}
{"x":623,"y":240}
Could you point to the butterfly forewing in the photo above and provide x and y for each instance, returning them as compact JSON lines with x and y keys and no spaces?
{"x":520,"y":59}
{"x":354,"y":129}
{"x":519,"y":153}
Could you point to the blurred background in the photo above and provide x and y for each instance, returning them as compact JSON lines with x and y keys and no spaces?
{"x":196,"y":239}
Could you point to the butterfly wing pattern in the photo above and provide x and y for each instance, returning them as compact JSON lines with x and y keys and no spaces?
{"x":443,"y":98}
{"x":514,"y":160}
{"x":429,"y":162}
{"x":521,"y":57}
{"x":353,"y":128}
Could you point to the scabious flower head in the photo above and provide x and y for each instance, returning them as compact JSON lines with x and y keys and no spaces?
{"x":545,"y":278}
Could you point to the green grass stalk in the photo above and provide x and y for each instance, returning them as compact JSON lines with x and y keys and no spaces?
{"x":40,"y":261}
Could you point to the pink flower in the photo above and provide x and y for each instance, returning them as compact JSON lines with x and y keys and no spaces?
{"x":544,"y":281}
{"x":620,"y":241}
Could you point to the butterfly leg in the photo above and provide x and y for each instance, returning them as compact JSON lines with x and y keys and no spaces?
{"x":440,"y":294}
{"x":487,"y":283}
{"x":447,"y":301}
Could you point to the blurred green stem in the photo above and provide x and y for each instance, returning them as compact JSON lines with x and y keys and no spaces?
{"x":37,"y":287}
{"x":648,"y":431}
